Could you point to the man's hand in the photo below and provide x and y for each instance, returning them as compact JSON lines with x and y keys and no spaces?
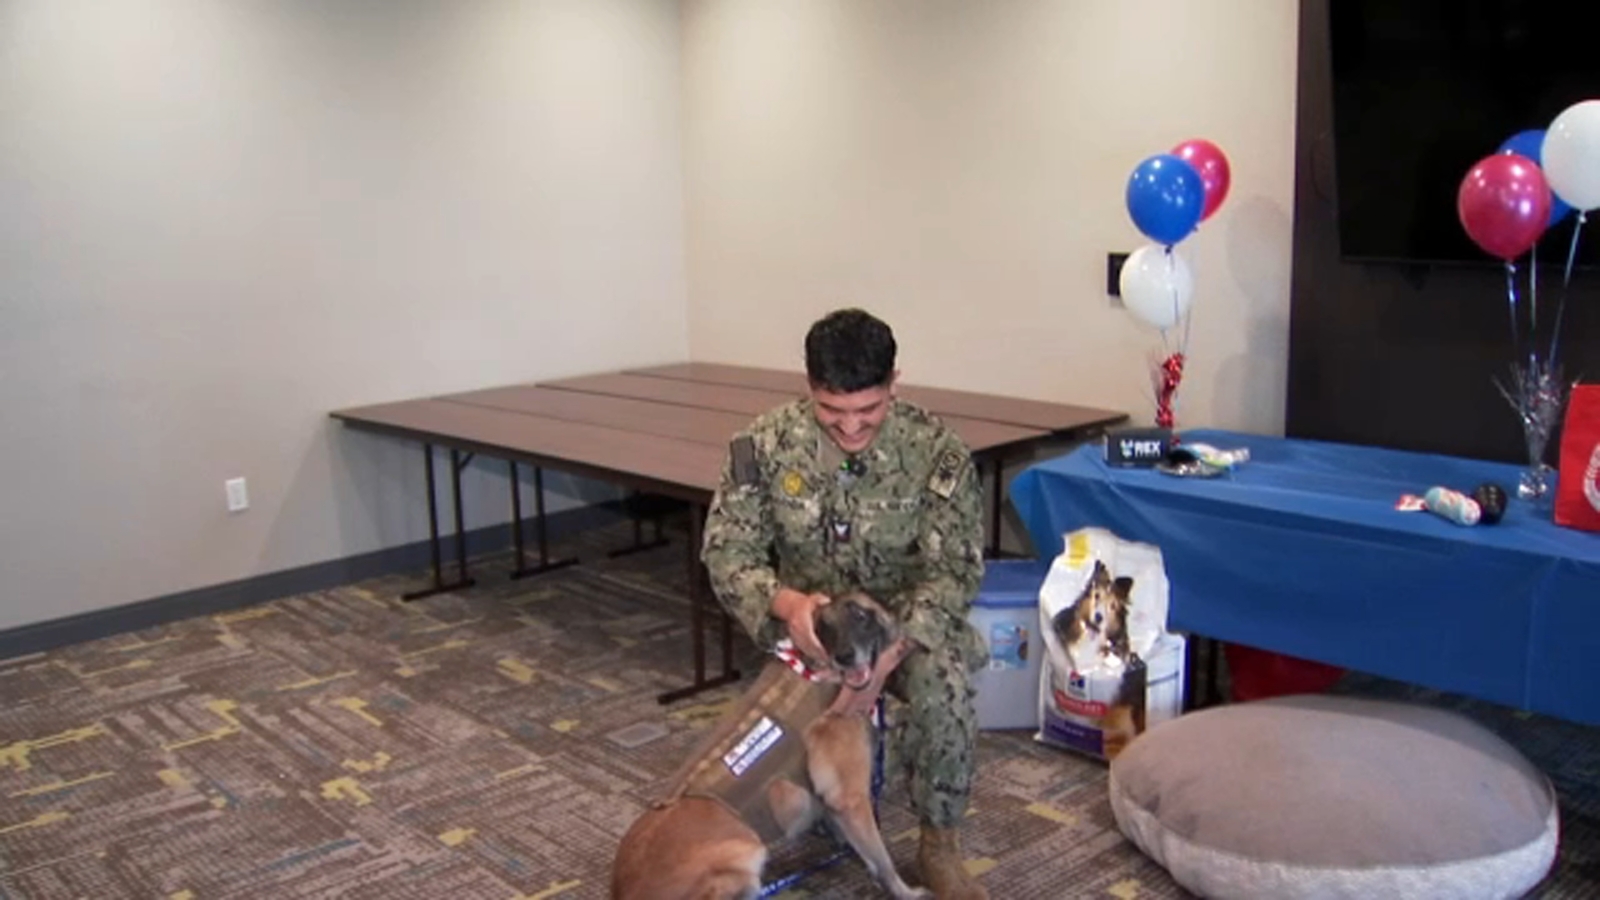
{"x":860,"y":701}
{"x":799,"y":612}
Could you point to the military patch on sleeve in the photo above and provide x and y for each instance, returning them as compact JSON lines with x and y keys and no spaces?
{"x":946,"y":474}
{"x":743,"y":455}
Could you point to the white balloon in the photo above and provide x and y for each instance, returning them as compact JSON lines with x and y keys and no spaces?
{"x":1156,"y":285}
{"x":1571,"y":155}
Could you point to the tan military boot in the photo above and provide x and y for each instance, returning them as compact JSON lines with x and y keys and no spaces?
{"x":939,"y":860}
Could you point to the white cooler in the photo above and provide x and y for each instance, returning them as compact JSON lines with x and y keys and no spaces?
{"x":1006,"y":614}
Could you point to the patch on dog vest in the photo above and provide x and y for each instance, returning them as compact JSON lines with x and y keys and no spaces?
{"x":754,"y":745}
{"x":946,"y":474}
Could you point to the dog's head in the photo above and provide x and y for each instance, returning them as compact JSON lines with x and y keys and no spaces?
{"x":854,"y":629}
{"x":1100,"y":613}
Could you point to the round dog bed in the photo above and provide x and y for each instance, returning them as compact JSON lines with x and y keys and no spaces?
{"x":1336,"y":797}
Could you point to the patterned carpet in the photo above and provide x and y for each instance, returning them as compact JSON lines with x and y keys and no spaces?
{"x":492,"y":744}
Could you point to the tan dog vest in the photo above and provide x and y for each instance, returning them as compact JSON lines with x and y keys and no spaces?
{"x":760,"y":741}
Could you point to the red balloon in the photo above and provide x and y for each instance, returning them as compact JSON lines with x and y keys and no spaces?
{"x":1504,"y":203}
{"x":1207,"y":159}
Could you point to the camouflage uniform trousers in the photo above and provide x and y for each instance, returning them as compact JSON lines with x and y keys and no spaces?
{"x":934,"y":731}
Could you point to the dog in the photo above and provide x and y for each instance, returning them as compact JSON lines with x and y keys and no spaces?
{"x":1096,"y":625}
{"x":1093,"y":631}
{"x":690,"y":846}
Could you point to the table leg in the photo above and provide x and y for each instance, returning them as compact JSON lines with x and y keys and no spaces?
{"x":522,"y":569}
{"x":996,"y":512}
{"x":1213,"y":673}
{"x":697,"y":600}
{"x":994,"y":517}
{"x":1191,"y":650}
{"x":462,"y":581}
{"x":1199,"y":694}
{"x":456,"y":465}
{"x":637,"y":509}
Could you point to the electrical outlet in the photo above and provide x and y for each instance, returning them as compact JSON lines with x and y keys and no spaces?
{"x":238,"y":497}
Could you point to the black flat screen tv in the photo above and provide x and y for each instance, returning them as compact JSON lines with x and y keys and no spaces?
{"x":1425,"y":88}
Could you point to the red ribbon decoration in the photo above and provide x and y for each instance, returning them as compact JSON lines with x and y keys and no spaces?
{"x":1171,"y":374}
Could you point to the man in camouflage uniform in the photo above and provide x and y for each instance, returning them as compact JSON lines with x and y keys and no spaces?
{"x":849,"y":489}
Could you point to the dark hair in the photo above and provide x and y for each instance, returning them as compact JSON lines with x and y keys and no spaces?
{"x":849,"y":350}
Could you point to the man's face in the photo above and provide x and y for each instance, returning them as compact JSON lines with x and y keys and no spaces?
{"x":852,"y":420}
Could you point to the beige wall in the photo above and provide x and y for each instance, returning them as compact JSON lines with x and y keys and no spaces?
{"x":221,"y":220}
{"x":959,"y":167}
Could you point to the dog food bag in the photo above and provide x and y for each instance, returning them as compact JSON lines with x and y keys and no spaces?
{"x":1111,"y":669}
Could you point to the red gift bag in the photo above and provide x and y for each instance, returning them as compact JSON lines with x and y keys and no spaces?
{"x":1578,"y":487}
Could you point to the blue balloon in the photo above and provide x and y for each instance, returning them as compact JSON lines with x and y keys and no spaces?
{"x":1530,"y":143}
{"x":1165,"y":198}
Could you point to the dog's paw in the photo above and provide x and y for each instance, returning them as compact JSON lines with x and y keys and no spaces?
{"x":917,"y":894}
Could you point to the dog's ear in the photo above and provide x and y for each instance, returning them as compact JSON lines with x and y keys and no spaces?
{"x":883,"y":626}
{"x":1062,"y":621}
{"x":1122,"y":588}
{"x":1098,"y":579}
{"x":827,"y":631}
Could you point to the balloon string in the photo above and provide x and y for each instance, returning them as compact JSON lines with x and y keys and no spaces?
{"x":1533,"y":297}
{"x":1172,"y":283}
{"x":1511,"y":302}
{"x":1188,"y":319}
{"x":1561,"y":305}
{"x":1572,"y":248}
{"x":1167,"y":337}
{"x":1188,"y":324}
{"x":1177,"y":310}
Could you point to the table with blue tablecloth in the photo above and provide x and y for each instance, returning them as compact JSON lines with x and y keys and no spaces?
{"x":1301,"y":551}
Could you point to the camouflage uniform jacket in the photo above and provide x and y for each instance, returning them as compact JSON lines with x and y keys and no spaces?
{"x":908,"y":530}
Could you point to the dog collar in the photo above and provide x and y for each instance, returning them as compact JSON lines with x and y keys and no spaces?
{"x":794,"y":659}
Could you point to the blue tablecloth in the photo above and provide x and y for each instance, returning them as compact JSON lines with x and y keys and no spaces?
{"x":1301,"y":551}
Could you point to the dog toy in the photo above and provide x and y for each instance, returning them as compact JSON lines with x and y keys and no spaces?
{"x":1445,"y":503}
{"x":1218,"y":458}
{"x":1201,"y":460}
